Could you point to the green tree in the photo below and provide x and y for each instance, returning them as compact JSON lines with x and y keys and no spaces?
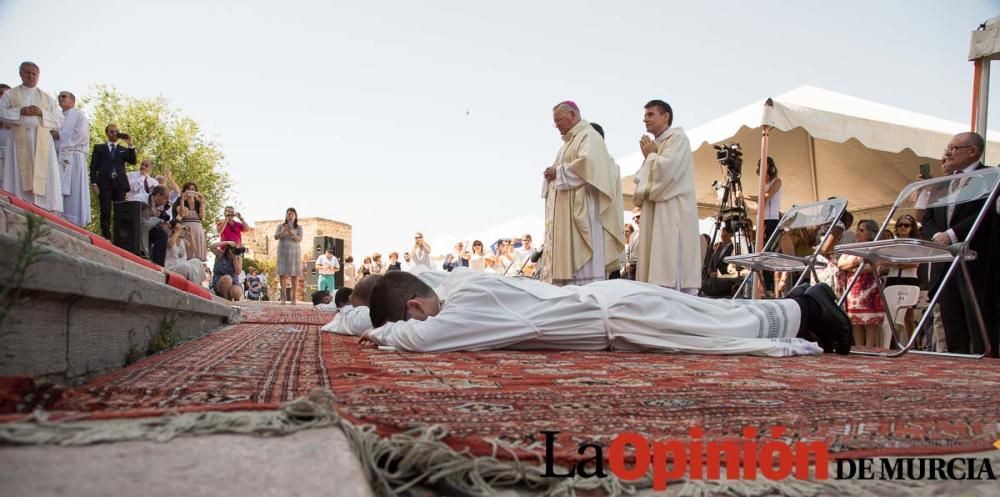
{"x":170,"y":139}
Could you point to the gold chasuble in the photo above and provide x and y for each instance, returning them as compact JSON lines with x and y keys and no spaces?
{"x":32,"y":164}
{"x":568,"y":227}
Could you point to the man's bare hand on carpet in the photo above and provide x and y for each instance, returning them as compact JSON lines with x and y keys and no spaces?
{"x":366,"y":339}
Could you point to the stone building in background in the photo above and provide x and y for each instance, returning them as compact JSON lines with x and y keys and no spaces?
{"x":263,"y":246}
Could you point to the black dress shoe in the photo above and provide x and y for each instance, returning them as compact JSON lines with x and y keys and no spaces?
{"x":832,"y":323}
{"x":799,"y":291}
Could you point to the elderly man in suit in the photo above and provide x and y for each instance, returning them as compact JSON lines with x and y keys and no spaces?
{"x":949,"y":225}
{"x":108,"y":179}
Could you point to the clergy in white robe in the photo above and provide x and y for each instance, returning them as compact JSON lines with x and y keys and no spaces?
{"x":5,"y":138}
{"x":479,"y":311}
{"x":583,"y":222}
{"x":31,"y":165}
{"x":73,"y":143}
{"x":669,"y":248}
{"x":350,"y":320}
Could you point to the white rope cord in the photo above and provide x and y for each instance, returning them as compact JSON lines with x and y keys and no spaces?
{"x":395,"y":464}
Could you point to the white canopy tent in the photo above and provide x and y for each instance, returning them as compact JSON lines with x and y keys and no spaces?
{"x":825,"y":144}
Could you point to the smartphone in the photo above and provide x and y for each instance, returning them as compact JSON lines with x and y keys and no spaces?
{"x":925,"y":171}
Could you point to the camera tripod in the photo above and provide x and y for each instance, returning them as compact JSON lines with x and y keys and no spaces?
{"x":732,"y":212}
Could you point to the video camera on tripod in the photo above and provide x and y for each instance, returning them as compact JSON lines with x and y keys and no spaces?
{"x":733,"y":214}
{"x":730,"y":156}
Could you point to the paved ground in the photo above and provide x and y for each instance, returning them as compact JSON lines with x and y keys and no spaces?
{"x":308,"y":463}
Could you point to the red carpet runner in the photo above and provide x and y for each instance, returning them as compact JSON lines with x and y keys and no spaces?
{"x":859,"y":406}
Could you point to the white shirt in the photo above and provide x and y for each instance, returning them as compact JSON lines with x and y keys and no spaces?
{"x":327,"y":266}
{"x":137,"y":186}
{"x":74,"y":134}
{"x":350,"y":320}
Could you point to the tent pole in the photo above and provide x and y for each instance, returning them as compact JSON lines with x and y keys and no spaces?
{"x":812,"y":167}
{"x":984,"y":95}
{"x":762,"y":189}
{"x":978,"y":64}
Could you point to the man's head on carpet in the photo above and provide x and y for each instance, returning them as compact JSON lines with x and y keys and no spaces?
{"x":321,"y":297}
{"x":342,"y":297}
{"x":362,"y":290}
{"x":400,"y":296}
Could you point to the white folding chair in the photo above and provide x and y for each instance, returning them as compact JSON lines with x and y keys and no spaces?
{"x":899,"y":298}
{"x":819,"y":216}
{"x":928,"y":194}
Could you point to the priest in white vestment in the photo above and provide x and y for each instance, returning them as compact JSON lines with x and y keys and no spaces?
{"x":669,"y":248}
{"x":73,"y":143}
{"x":479,"y":311}
{"x":5,"y":138}
{"x":31,"y":165}
{"x":583,"y":221}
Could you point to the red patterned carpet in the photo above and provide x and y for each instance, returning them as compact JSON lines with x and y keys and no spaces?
{"x":858,"y":405}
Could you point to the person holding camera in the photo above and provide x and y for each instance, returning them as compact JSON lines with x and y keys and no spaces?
{"x":225,"y":279}
{"x":421,"y":251}
{"x":190,"y":209}
{"x":289,"y":236}
{"x":669,"y":248}
{"x":231,"y":230}
{"x":178,"y":247}
{"x":108,"y":179}
{"x":156,"y":222}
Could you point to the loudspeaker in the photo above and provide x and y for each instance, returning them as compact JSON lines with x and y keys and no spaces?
{"x":319,"y":245}
{"x":126,"y":219}
{"x":312,"y":276}
{"x":338,"y":252}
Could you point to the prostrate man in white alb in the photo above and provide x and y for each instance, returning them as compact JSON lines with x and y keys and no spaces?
{"x":73,"y":142}
{"x":583,"y":231}
{"x":669,"y":247}
{"x":355,"y":318}
{"x":31,"y":164}
{"x":462,"y":313}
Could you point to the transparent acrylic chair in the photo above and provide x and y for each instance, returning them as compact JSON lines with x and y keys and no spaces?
{"x":923,"y":195}
{"x":815,"y":218}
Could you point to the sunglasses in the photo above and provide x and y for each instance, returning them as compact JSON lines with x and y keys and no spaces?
{"x":904,"y":225}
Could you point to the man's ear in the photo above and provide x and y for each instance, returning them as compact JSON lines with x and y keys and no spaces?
{"x":415,"y":309}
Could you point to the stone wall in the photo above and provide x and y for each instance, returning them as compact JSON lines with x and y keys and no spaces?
{"x":264,"y":246}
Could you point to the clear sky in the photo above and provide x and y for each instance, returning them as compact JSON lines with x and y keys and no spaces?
{"x":398,"y":116}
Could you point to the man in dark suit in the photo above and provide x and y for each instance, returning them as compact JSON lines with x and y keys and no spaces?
{"x":960,"y":327}
{"x":108,"y":179}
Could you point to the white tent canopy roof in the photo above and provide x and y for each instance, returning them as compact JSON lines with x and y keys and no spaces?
{"x":834,"y":117}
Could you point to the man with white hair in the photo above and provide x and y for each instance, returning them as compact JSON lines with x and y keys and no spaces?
{"x":72,"y":142}
{"x":31,"y":165}
{"x":951,"y":224}
{"x":583,"y":229}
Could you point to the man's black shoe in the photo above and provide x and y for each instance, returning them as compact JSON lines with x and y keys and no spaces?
{"x":831,"y":323}
{"x":799,"y":291}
